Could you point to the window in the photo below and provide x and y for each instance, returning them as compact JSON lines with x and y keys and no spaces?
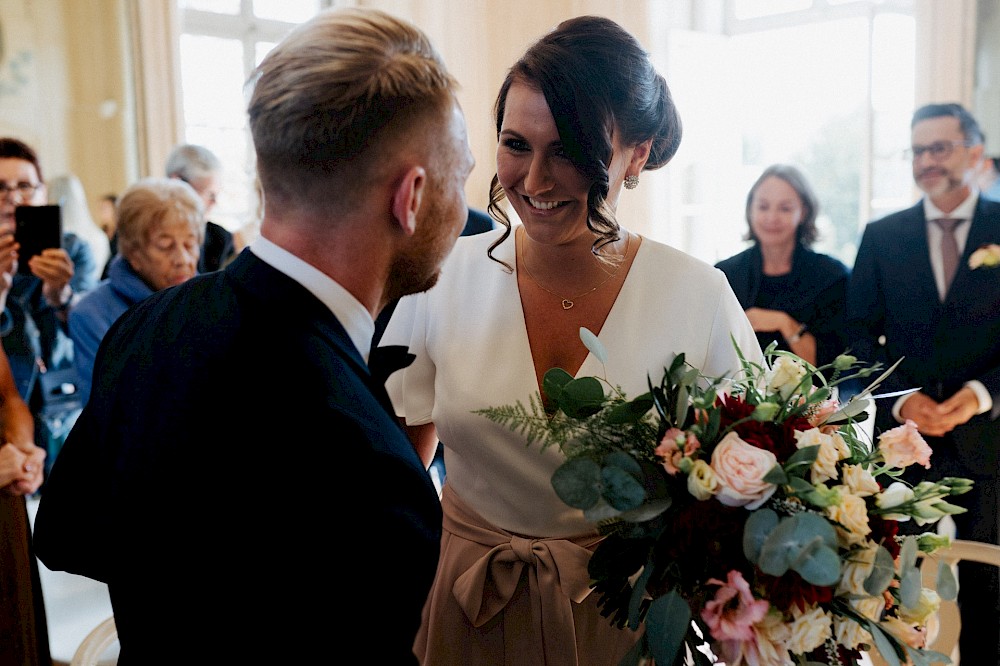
{"x":828,"y":87}
{"x":221,"y":42}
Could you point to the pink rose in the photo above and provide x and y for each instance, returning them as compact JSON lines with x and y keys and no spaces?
{"x":903,"y":446}
{"x":740,"y":469}
{"x":730,"y":616}
{"x":670,"y":448}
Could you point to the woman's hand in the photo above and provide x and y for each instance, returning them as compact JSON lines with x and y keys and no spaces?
{"x":54,"y":267}
{"x":21,"y":468}
{"x":768,"y":321}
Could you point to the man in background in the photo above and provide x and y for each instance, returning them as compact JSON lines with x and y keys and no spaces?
{"x":916,"y":295}
{"x":238,"y":478}
{"x":201,"y":169}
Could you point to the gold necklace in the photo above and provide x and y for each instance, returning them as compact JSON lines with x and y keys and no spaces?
{"x":568,"y":303}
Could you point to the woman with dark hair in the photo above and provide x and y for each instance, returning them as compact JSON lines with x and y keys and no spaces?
{"x":792,"y":295}
{"x":579,"y":117}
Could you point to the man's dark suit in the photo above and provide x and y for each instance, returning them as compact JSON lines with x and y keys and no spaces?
{"x":893,"y":293}
{"x":234,"y":429}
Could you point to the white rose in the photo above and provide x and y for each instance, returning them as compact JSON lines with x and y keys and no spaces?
{"x":832,"y":449}
{"x":852,"y":515}
{"x":810,"y":629}
{"x":856,"y":568}
{"x":859,"y":480}
{"x":785,"y":376}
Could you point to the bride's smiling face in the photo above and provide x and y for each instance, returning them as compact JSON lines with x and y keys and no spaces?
{"x":546,"y":190}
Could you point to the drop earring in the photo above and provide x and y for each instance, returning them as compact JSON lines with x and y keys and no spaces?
{"x":631,"y":182}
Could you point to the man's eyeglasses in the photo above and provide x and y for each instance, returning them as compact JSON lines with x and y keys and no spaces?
{"x":26,"y":190}
{"x":938,"y":150}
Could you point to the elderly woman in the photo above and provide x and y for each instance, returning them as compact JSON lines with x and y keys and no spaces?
{"x":161,"y":225}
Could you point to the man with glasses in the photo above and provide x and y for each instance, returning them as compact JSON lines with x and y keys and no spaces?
{"x":33,"y":306}
{"x":917,"y":294}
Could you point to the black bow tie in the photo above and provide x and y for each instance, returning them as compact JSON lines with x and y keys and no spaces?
{"x":383,"y":361}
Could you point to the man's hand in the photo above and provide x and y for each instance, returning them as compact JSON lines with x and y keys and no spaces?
{"x":935,"y":419}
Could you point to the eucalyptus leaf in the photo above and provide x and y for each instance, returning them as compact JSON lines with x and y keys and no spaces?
{"x":804,"y":540}
{"x":647,"y":511}
{"x":883,"y":569}
{"x":624,"y":461}
{"x":595,"y":346}
{"x":621,"y":489}
{"x":886,"y":646}
{"x":908,"y":552}
{"x":667,"y":623}
{"x":581,"y":397}
{"x":946,"y":585}
{"x":756,"y":530}
{"x":910,"y":586}
{"x":553,"y":381}
{"x":817,"y":563}
{"x":577,"y":482}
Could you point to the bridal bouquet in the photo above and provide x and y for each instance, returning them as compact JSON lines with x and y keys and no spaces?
{"x":748,"y":520}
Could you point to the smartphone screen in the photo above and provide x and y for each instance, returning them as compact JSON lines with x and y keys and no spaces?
{"x":36,"y":228}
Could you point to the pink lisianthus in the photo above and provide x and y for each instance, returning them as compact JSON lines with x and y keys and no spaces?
{"x":733,"y":612}
{"x":740,"y":469}
{"x":670,"y":450}
{"x":820,"y":412}
{"x":903,"y":446}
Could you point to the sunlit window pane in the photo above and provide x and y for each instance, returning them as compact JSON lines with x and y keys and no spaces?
{"x":747,"y":9}
{"x":293,"y":11}
{"x":216,"y":6}
{"x":261,"y":49}
{"x":212,"y":81}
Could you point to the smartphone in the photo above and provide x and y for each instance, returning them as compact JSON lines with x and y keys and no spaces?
{"x":36,"y":228}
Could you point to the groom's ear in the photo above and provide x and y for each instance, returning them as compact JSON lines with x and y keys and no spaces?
{"x":407,"y":198}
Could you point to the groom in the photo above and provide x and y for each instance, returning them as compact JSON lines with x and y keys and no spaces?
{"x":238,"y":478}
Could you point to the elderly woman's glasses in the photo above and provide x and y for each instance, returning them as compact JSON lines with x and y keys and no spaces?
{"x":26,"y":190}
{"x":938,"y":150}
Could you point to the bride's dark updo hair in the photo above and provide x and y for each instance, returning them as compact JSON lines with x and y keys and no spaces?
{"x":598,"y":81}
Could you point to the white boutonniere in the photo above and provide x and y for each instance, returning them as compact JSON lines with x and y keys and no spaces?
{"x":987,"y":255}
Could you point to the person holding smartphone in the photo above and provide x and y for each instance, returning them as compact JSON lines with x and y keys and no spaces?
{"x":33,"y":319}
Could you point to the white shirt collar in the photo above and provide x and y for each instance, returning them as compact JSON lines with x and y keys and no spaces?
{"x":353,"y":316}
{"x":964,"y":211}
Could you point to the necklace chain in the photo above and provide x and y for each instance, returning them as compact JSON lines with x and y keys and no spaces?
{"x":568,"y":303}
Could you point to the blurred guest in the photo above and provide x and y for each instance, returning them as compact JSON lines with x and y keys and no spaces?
{"x":67,"y":191}
{"x":988,"y":178}
{"x":160,"y":229}
{"x":24,"y":638}
{"x":792,"y":295}
{"x":108,"y":224}
{"x":35,"y":305}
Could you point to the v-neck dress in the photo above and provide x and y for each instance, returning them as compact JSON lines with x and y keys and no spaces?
{"x":471,"y":345}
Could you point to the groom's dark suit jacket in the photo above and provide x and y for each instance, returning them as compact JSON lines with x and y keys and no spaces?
{"x":893,"y":293}
{"x":238,"y":480}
